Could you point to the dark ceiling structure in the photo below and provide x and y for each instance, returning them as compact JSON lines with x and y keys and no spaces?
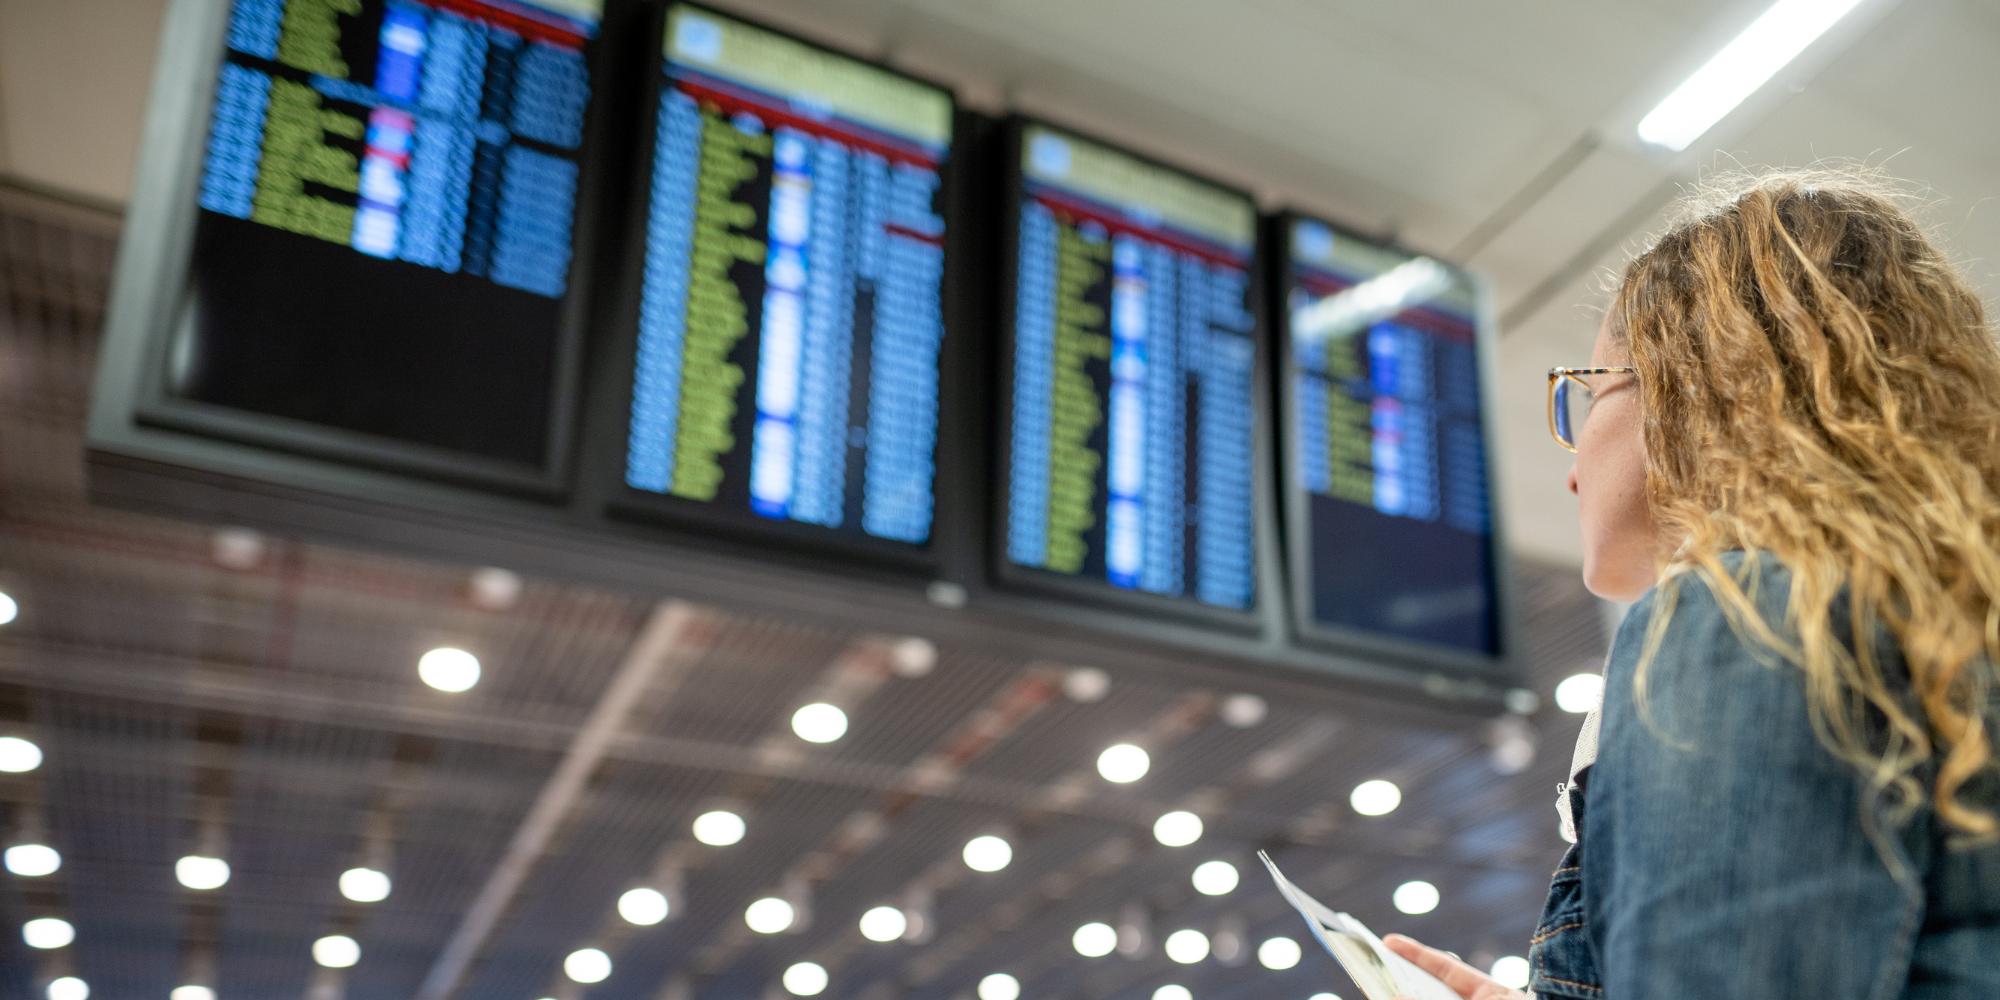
{"x":207,"y":692}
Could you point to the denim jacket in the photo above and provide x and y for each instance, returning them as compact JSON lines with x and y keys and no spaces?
{"x":1723,"y":851}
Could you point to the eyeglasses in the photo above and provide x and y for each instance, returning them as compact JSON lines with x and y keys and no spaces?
{"x":1569,"y":400}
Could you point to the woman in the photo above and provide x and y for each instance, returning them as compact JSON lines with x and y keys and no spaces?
{"x":1792,"y":462}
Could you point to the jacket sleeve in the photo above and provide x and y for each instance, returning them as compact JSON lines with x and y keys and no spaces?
{"x":1724,"y":849}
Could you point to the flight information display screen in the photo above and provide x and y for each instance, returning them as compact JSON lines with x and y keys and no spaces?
{"x":1132,"y":392}
{"x":1389,"y":485}
{"x":790,"y":315}
{"x":387,"y":206}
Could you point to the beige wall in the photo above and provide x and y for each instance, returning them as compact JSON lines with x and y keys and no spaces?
{"x":73,"y":81}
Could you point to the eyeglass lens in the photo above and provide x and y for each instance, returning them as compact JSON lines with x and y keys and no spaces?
{"x":1572,"y":406}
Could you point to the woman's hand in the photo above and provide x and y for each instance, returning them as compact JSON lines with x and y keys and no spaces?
{"x":1463,"y":979}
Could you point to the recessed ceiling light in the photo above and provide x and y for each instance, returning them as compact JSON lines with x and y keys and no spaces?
{"x":1511,"y":971}
{"x":1086,"y":684}
{"x":1278,"y":954}
{"x":495,"y":589}
{"x":1510,"y":742}
{"x":587,"y":966}
{"x":1734,"y":73}
{"x":449,"y":669}
{"x":806,"y":979}
{"x":364,"y":885}
{"x":1187,"y":946}
{"x":1095,"y":940}
{"x":1216,"y":878}
{"x":769,"y":915}
{"x":999,"y":986}
{"x":19,"y":756}
{"x":1123,"y":763}
{"x":1177,"y":829}
{"x":69,"y":988}
{"x":46,"y":933}
{"x":202,"y":873}
{"x":913,"y":657}
{"x":988,"y":853}
{"x":1172,"y":991}
{"x":8,"y":609}
{"x":819,"y":722}
{"x":1244,"y":710}
{"x":1579,"y":693}
{"x":191,"y":993}
{"x":643,"y":906}
{"x":884,"y":924}
{"x":718,"y":828}
{"x":1376,"y":797}
{"x":1416,"y":898}
{"x":32,"y":860}
{"x":236,"y":548}
{"x":336,"y":951}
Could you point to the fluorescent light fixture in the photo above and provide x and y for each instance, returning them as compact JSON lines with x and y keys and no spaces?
{"x":1408,"y":284}
{"x":1746,"y":63}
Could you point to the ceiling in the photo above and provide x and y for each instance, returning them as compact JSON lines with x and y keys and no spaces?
{"x":278,"y":703}
{"x":258,"y":699}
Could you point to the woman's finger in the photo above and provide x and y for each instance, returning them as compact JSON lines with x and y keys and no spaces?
{"x":1463,"y":979}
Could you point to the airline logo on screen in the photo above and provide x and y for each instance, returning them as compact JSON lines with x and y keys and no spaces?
{"x":442,"y":134}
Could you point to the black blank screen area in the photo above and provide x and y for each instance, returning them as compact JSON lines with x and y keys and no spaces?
{"x":1423,"y":583}
{"x":1389,"y":465}
{"x":381,"y":263}
{"x":311,"y":331}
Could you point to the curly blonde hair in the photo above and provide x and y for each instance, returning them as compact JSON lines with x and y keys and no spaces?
{"x":1820,"y":383}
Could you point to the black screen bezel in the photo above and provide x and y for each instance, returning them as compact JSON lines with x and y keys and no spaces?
{"x":626,"y":503}
{"x":1009,"y":575}
{"x":159,"y":406}
{"x":1307,"y":630}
